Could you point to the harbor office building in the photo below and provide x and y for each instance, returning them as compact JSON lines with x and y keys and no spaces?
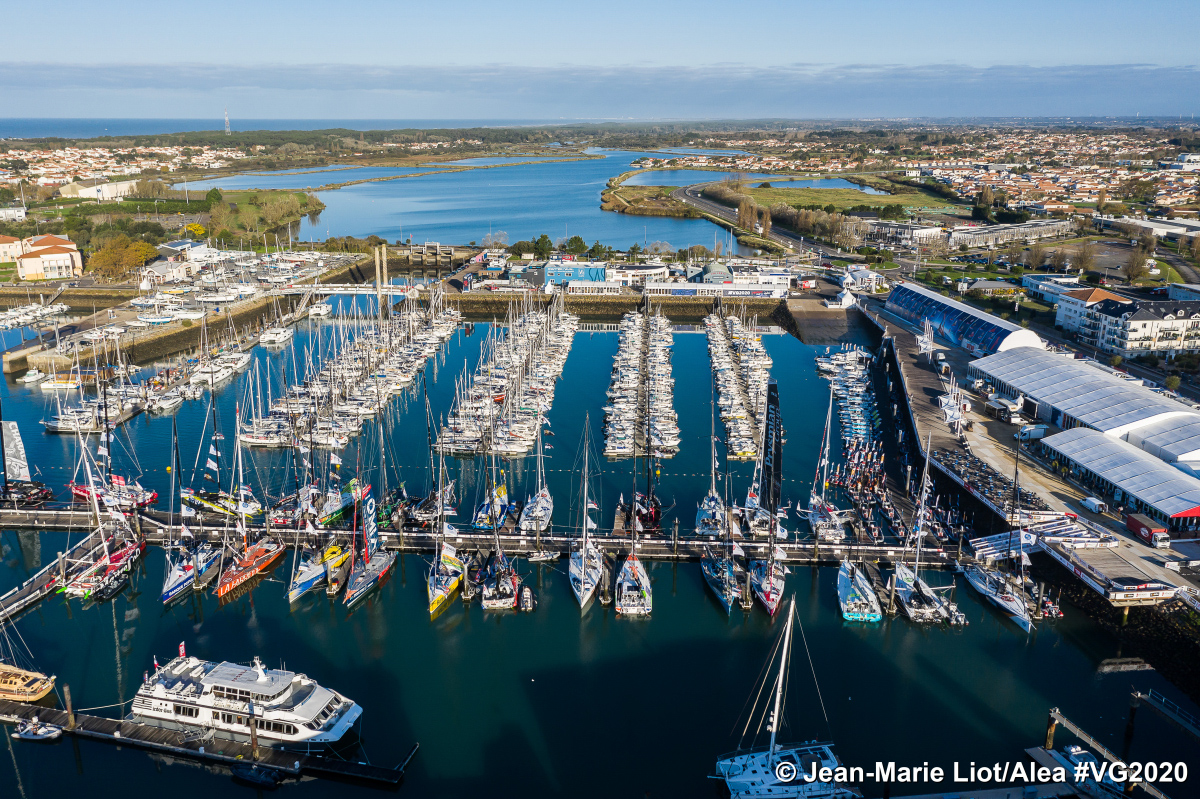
{"x":1132,"y":477}
{"x":963,"y":325}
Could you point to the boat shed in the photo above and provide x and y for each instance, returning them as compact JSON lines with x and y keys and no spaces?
{"x":1132,"y":477}
{"x":971,"y":328}
{"x":1067,"y":392}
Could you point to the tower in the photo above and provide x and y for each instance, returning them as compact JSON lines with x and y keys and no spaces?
{"x":227,"y":133}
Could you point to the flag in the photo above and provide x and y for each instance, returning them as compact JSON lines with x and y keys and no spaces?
{"x":212,"y":450}
{"x":637,"y":524}
{"x":304,"y":450}
{"x":188,"y":511}
{"x":591,"y":525}
{"x":781,"y":513}
{"x":593,"y":505}
{"x":156,"y":662}
{"x":109,"y":502}
{"x":210,"y":464}
{"x":334,"y":459}
{"x":102,"y":450}
{"x":118,"y":480}
{"x":737,"y":550}
{"x":183,"y":530}
{"x":182,"y":650}
{"x":307,"y":465}
{"x":779,"y":553}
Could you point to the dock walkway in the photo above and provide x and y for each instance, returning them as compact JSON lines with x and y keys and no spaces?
{"x":213,"y":750}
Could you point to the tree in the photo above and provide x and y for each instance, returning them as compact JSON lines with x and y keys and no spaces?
{"x":1115,"y":361}
{"x":634,"y":251}
{"x":1085,"y":258}
{"x":1058,"y":259}
{"x":195,"y":230}
{"x":1135,"y":267}
{"x":1172,"y":383}
{"x":746,"y":214}
{"x":599,"y":251}
{"x":576,"y":245}
{"x":986,"y":197}
{"x":1036,"y":256}
{"x":213,"y":196}
{"x":1196,"y":247}
{"x":543,"y":246}
{"x":1101,"y":200}
{"x":764,"y":219}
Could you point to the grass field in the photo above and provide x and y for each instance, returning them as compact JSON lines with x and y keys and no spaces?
{"x":842,"y":198}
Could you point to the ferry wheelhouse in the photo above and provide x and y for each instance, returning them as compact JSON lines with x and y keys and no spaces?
{"x":289,"y":710}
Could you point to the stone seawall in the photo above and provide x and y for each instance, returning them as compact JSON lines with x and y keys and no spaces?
{"x":81,"y":299}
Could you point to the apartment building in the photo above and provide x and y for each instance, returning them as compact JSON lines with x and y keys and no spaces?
{"x":1128,"y":328}
{"x":42,"y":257}
{"x":1074,"y":307}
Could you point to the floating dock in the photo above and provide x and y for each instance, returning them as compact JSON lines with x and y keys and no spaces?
{"x":203,"y":748}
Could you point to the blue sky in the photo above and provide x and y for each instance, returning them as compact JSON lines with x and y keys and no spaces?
{"x":699,"y":59}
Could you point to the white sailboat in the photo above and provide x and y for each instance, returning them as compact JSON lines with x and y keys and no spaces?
{"x":535,"y":516}
{"x":781,"y":770}
{"x":633,"y":595}
{"x":855,"y":594}
{"x":921,"y":603}
{"x":710,"y":514}
{"x":824,"y":519}
{"x":586,"y":561}
{"x":189,"y":565}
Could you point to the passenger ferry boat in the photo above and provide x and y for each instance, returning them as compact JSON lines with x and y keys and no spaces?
{"x":289,"y":710}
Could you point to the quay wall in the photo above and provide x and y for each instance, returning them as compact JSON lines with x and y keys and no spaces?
{"x":495,"y":306}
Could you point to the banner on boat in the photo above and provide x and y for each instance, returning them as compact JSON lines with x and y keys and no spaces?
{"x":16,"y":465}
{"x":370,"y":523}
{"x":772,"y":443}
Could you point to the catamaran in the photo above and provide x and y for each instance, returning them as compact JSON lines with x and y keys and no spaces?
{"x":781,"y":770}
{"x":375,"y":565}
{"x":766,"y":576}
{"x":586,"y":562}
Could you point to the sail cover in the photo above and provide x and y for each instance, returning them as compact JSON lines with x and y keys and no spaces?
{"x":772,"y":451}
{"x":16,"y":465}
{"x":370,"y":523}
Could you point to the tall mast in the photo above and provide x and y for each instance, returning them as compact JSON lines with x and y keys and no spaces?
{"x":779,"y":680}
{"x":586,"y":518}
{"x":920,"y":519}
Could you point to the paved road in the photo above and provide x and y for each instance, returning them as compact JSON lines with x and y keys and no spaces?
{"x":690,"y":195}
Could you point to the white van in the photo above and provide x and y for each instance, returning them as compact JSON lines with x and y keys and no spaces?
{"x":1094,"y":505}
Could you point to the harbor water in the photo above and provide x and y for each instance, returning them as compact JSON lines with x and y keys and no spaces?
{"x":553,"y":702}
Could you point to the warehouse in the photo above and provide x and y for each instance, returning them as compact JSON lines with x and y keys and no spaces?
{"x":1136,"y":479}
{"x":974,"y":330}
{"x":1067,"y":392}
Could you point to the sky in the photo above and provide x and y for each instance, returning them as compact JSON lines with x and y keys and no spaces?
{"x":527,"y":59}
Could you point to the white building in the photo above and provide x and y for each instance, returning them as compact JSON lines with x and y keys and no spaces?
{"x":1050,"y":287}
{"x":42,"y":257}
{"x":1073,"y":308}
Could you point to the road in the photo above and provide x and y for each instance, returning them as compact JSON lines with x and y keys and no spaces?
{"x":690,"y":195}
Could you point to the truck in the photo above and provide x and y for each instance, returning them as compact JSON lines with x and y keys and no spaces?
{"x":1094,"y":505}
{"x":1031,"y":432}
{"x":1150,"y":531}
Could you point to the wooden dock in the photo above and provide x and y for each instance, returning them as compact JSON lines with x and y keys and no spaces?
{"x":209,"y":749}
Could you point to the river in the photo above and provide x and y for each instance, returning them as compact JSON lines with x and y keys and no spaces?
{"x":552,"y":703}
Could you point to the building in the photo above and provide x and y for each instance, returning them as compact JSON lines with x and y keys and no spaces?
{"x":1049,"y":287}
{"x":861,"y":280}
{"x":1074,"y":307}
{"x":1130,"y":328}
{"x":993,"y":287}
{"x":1186,"y":292}
{"x":1068,"y":392}
{"x":903,"y":233}
{"x":561,"y":272}
{"x":12,"y":213}
{"x":996,"y":235}
{"x":98,"y":191}
{"x":1165,"y":229}
{"x":1132,"y":477}
{"x":637,"y":274}
{"x":593,"y":288}
{"x":968,"y":327}
{"x":44,"y":257}
{"x":673,"y":289}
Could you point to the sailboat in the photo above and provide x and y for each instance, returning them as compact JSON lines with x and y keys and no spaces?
{"x":376,"y":564}
{"x":1005,"y":591}
{"x":918,"y":601}
{"x":235,"y":502}
{"x":18,"y":489}
{"x":855,"y":594}
{"x":633,"y":594}
{"x":823,"y":517}
{"x":500,"y":584}
{"x":446,"y":572}
{"x":254,"y":559}
{"x":20,"y":683}
{"x":781,"y":770}
{"x":586,"y":561}
{"x":766,"y":576}
{"x":187,"y":566}
{"x":710,"y":514}
{"x":535,"y":516}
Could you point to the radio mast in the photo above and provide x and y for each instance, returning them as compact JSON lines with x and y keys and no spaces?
{"x":227,"y":133}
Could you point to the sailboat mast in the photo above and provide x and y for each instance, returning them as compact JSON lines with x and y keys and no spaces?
{"x":779,"y":680}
